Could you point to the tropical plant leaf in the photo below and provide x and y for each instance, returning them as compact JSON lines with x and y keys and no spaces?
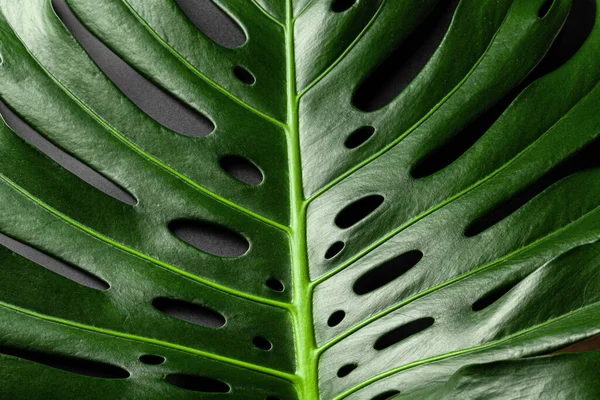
{"x":566,"y":377}
{"x":376,"y":198}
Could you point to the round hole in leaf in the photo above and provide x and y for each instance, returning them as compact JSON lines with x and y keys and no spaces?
{"x":335,"y":318}
{"x":346,"y":369}
{"x":244,"y":75}
{"x":190,"y":312}
{"x":210,"y":238}
{"x":402,"y":332}
{"x":273,"y":398}
{"x":334,"y":250}
{"x":359,"y":137}
{"x":358,"y":210}
{"x":151,"y":359}
{"x":262,"y":343}
{"x":275,"y":284}
{"x":387,"y":395}
{"x":385,"y":273}
{"x":242,"y":169}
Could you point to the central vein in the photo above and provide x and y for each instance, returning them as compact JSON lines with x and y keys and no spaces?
{"x":302,"y":304}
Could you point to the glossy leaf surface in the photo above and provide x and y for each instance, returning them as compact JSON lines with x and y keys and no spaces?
{"x":361,"y":199}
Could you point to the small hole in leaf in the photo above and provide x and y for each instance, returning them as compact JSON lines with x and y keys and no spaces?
{"x":334,"y":250}
{"x":78,"y":366}
{"x":276,"y":285}
{"x":359,"y":136}
{"x":244,"y":75}
{"x":386,"y":395}
{"x":189,"y":312}
{"x":198,"y":383}
{"x":545,"y":8}
{"x":210,"y":238}
{"x":386,"y":272}
{"x":151,"y":359}
{"x":59,"y":267}
{"x":335,"y":318}
{"x":262,"y":343}
{"x":402,"y":332}
{"x":241,"y":169}
{"x":346,"y":369}
{"x":273,"y":398}
{"x":357,"y":211}
{"x":342,"y":5}
{"x":491,"y":297}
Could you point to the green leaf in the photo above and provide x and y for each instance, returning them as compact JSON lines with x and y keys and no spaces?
{"x":571,"y":376}
{"x":427,"y":242}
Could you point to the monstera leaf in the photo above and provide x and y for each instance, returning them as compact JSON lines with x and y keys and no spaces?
{"x":375,"y":199}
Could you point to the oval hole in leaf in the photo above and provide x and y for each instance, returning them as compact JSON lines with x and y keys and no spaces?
{"x":586,"y":158}
{"x":545,"y":8}
{"x":342,"y":5}
{"x":213,"y":22}
{"x":161,"y":106}
{"x":386,"y":395}
{"x":404,"y":64}
{"x":386,"y":272}
{"x":198,"y":383}
{"x":151,"y":359}
{"x":210,"y":238}
{"x":491,"y":297}
{"x":334,"y":250}
{"x":74,"y":365}
{"x":241,"y":169}
{"x":357,"y":211}
{"x":346,"y":369}
{"x":262,"y":343}
{"x":64,"y":159}
{"x":336,"y":318}
{"x":359,"y":137}
{"x":273,"y":398}
{"x":244,"y":75}
{"x":59,"y":267}
{"x":275,"y":284}
{"x":189,"y":312}
{"x":402,"y":332}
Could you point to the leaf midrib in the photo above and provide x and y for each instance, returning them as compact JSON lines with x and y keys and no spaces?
{"x":302,"y":312}
{"x":306,"y":380}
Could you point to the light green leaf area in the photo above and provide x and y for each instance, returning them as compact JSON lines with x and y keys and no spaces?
{"x":362,"y":278}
